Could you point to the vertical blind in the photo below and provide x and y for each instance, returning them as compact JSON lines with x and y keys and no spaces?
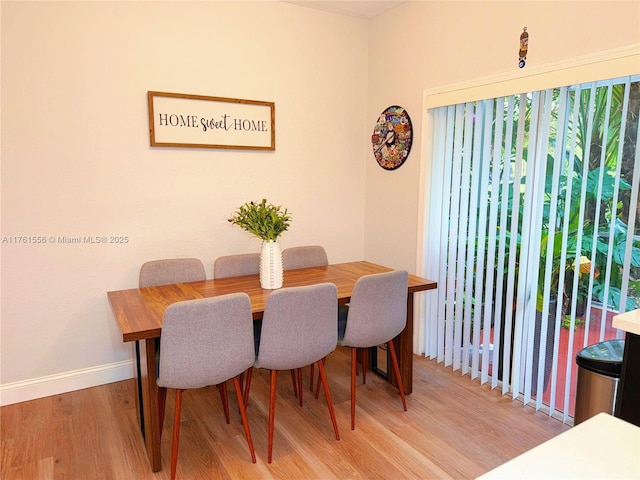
{"x":532,"y":219}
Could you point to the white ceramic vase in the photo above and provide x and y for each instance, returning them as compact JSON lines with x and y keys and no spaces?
{"x":271,"y":265}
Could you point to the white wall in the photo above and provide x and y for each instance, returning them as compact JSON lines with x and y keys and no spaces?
{"x":421,"y":45}
{"x":76,"y":159}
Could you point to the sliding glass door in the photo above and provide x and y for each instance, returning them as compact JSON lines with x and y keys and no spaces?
{"x":534,"y":233}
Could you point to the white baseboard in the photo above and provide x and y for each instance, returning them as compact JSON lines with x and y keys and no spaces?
{"x":25,"y":390}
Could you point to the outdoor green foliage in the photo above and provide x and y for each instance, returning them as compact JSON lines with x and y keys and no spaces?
{"x":598,"y":158}
{"x":597,"y":217}
{"x":265,"y":221}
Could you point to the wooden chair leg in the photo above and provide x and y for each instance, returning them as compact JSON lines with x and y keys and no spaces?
{"x":396,"y":368}
{"x":311,"y":373}
{"x":176,"y":434}
{"x":247,"y":387}
{"x":327,"y":394}
{"x":162,"y":404}
{"x":243,"y":416}
{"x":241,"y":380}
{"x":319,"y":382}
{"x":354,"y":374}
{"x":294,"y":382}
{"x":299,"y":380}
{"x":222,"y":388}
{"x":272,"y":412}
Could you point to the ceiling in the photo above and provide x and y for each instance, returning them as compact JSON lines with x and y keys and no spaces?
{"x":360,"y":9}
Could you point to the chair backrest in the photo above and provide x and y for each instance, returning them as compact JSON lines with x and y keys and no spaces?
{"x":302,"y":257}
{"x":299,"y":326}
{"x":377,"y":309}
{"x":236,"y":265}
{"x":206,"y":341}
{"x":171,"y":270}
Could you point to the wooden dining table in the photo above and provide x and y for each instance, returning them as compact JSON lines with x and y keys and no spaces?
{"x":139,"y":313}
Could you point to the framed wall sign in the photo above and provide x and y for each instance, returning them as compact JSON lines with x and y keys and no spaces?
{"x":198,"y":121}
{"x":392,"y":137}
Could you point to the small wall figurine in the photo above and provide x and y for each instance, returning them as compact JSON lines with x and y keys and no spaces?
{"x":524,"y":46}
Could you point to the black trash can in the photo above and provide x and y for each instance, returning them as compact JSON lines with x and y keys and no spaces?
{"x":599,"y":367}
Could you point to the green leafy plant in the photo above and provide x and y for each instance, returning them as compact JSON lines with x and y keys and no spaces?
{"x":590,"y":177}
{"x":262,"y":219}
{"x":594,"y":165}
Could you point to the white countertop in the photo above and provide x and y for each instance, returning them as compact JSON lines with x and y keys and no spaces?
{"x":628,"y":321}
{"x":602,"y":447}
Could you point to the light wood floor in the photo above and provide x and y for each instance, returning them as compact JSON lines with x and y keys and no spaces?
{"x":454,"y":428}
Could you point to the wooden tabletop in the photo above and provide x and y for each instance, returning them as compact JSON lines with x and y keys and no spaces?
{"x":139,"y":311}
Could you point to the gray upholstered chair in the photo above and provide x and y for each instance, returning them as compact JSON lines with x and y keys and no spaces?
{"x":302,"y":257}
{"x":165,"y":272}
{"x":376,"y":314}
{"x":171,"y":270}
{"x":298,"y":329}
{"x":239,"y":265}
{"x":236,"y":265}
{"x":206,"y":342}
